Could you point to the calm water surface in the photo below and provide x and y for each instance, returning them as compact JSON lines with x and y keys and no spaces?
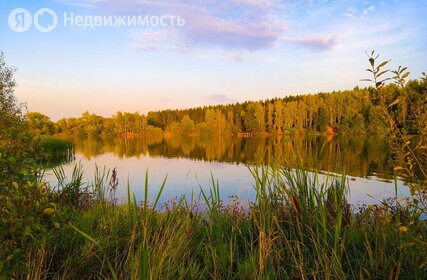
{"x":189,"y":163}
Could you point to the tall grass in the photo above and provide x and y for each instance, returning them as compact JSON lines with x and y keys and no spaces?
{"x":298,"y":227}
{"x":55,"y":150}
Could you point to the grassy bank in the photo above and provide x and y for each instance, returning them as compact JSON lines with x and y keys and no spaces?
{"x":296,"y":228}
{"x":56,"y":150}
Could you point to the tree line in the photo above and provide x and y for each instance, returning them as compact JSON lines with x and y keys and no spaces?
{"x":349,"y":111}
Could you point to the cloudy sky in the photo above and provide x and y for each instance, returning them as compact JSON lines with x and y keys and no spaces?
{"x":227,"y":51}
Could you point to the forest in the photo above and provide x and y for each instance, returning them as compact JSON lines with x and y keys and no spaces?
{"x":342,"y":112}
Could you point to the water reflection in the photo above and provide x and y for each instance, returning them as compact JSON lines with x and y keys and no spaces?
{"x":189,"y":163}
{"x":355,"y":156}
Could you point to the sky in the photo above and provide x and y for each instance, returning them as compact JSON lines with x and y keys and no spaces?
{"x":226,"y":51}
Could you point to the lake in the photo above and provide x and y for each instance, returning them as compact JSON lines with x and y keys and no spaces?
{"x":189,"y":163}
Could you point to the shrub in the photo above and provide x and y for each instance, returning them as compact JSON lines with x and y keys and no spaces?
{"x":26,"y":213}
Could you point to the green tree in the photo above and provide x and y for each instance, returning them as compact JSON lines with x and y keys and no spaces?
{"x":321,"y":120}
{"x":119,"y":124}
{"x":92,"y":124}
{"x":39,"y":123}
{"x":270,"y":112}
{"x":221,"y":122}
{"x":278,"y":115}
{"x":10,"y":109}
{"x":18,"y":147}
{"x":254,"y":117}
{"x":187,"y":125}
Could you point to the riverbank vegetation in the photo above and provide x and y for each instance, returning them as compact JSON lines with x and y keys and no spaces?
{"x":297,"y":227}
{"x":23,"y":151}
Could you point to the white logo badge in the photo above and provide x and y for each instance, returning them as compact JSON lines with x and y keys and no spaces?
{"x":20,"y":20}
{"x":52,"y":20}
{"x":45,"y":20}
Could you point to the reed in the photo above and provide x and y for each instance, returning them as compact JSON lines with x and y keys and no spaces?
{"x":56,"y":151}
{"x":300,"y":226}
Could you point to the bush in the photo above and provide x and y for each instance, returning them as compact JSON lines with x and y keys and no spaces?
{"x":27,"y":212}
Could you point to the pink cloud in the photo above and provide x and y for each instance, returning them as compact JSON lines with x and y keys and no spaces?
{"x":209,"y":30}
{"x":234,"y":25}
{"x":316,"y":42}
{"x":220,"y":98}
{"x":257,"y":3}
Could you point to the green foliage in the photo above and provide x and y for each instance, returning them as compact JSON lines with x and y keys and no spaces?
{"x":350,"y":111}
{"x":19,"y":150}
{"x":216,"y":121}
{"x":72,"y":192}
{"x":23,"y":155}
{"x":27,"y":212}
{"x":187,"y":125}
{"x":254,"y":117}
{"x":10,"y":109}
{"x":55,"y":151}
{"x":298,"y":225}
{"x":39,"y":123}
{"x":27,"y":208}
{"x":320,"y":120}
{"x":403,"y":113}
